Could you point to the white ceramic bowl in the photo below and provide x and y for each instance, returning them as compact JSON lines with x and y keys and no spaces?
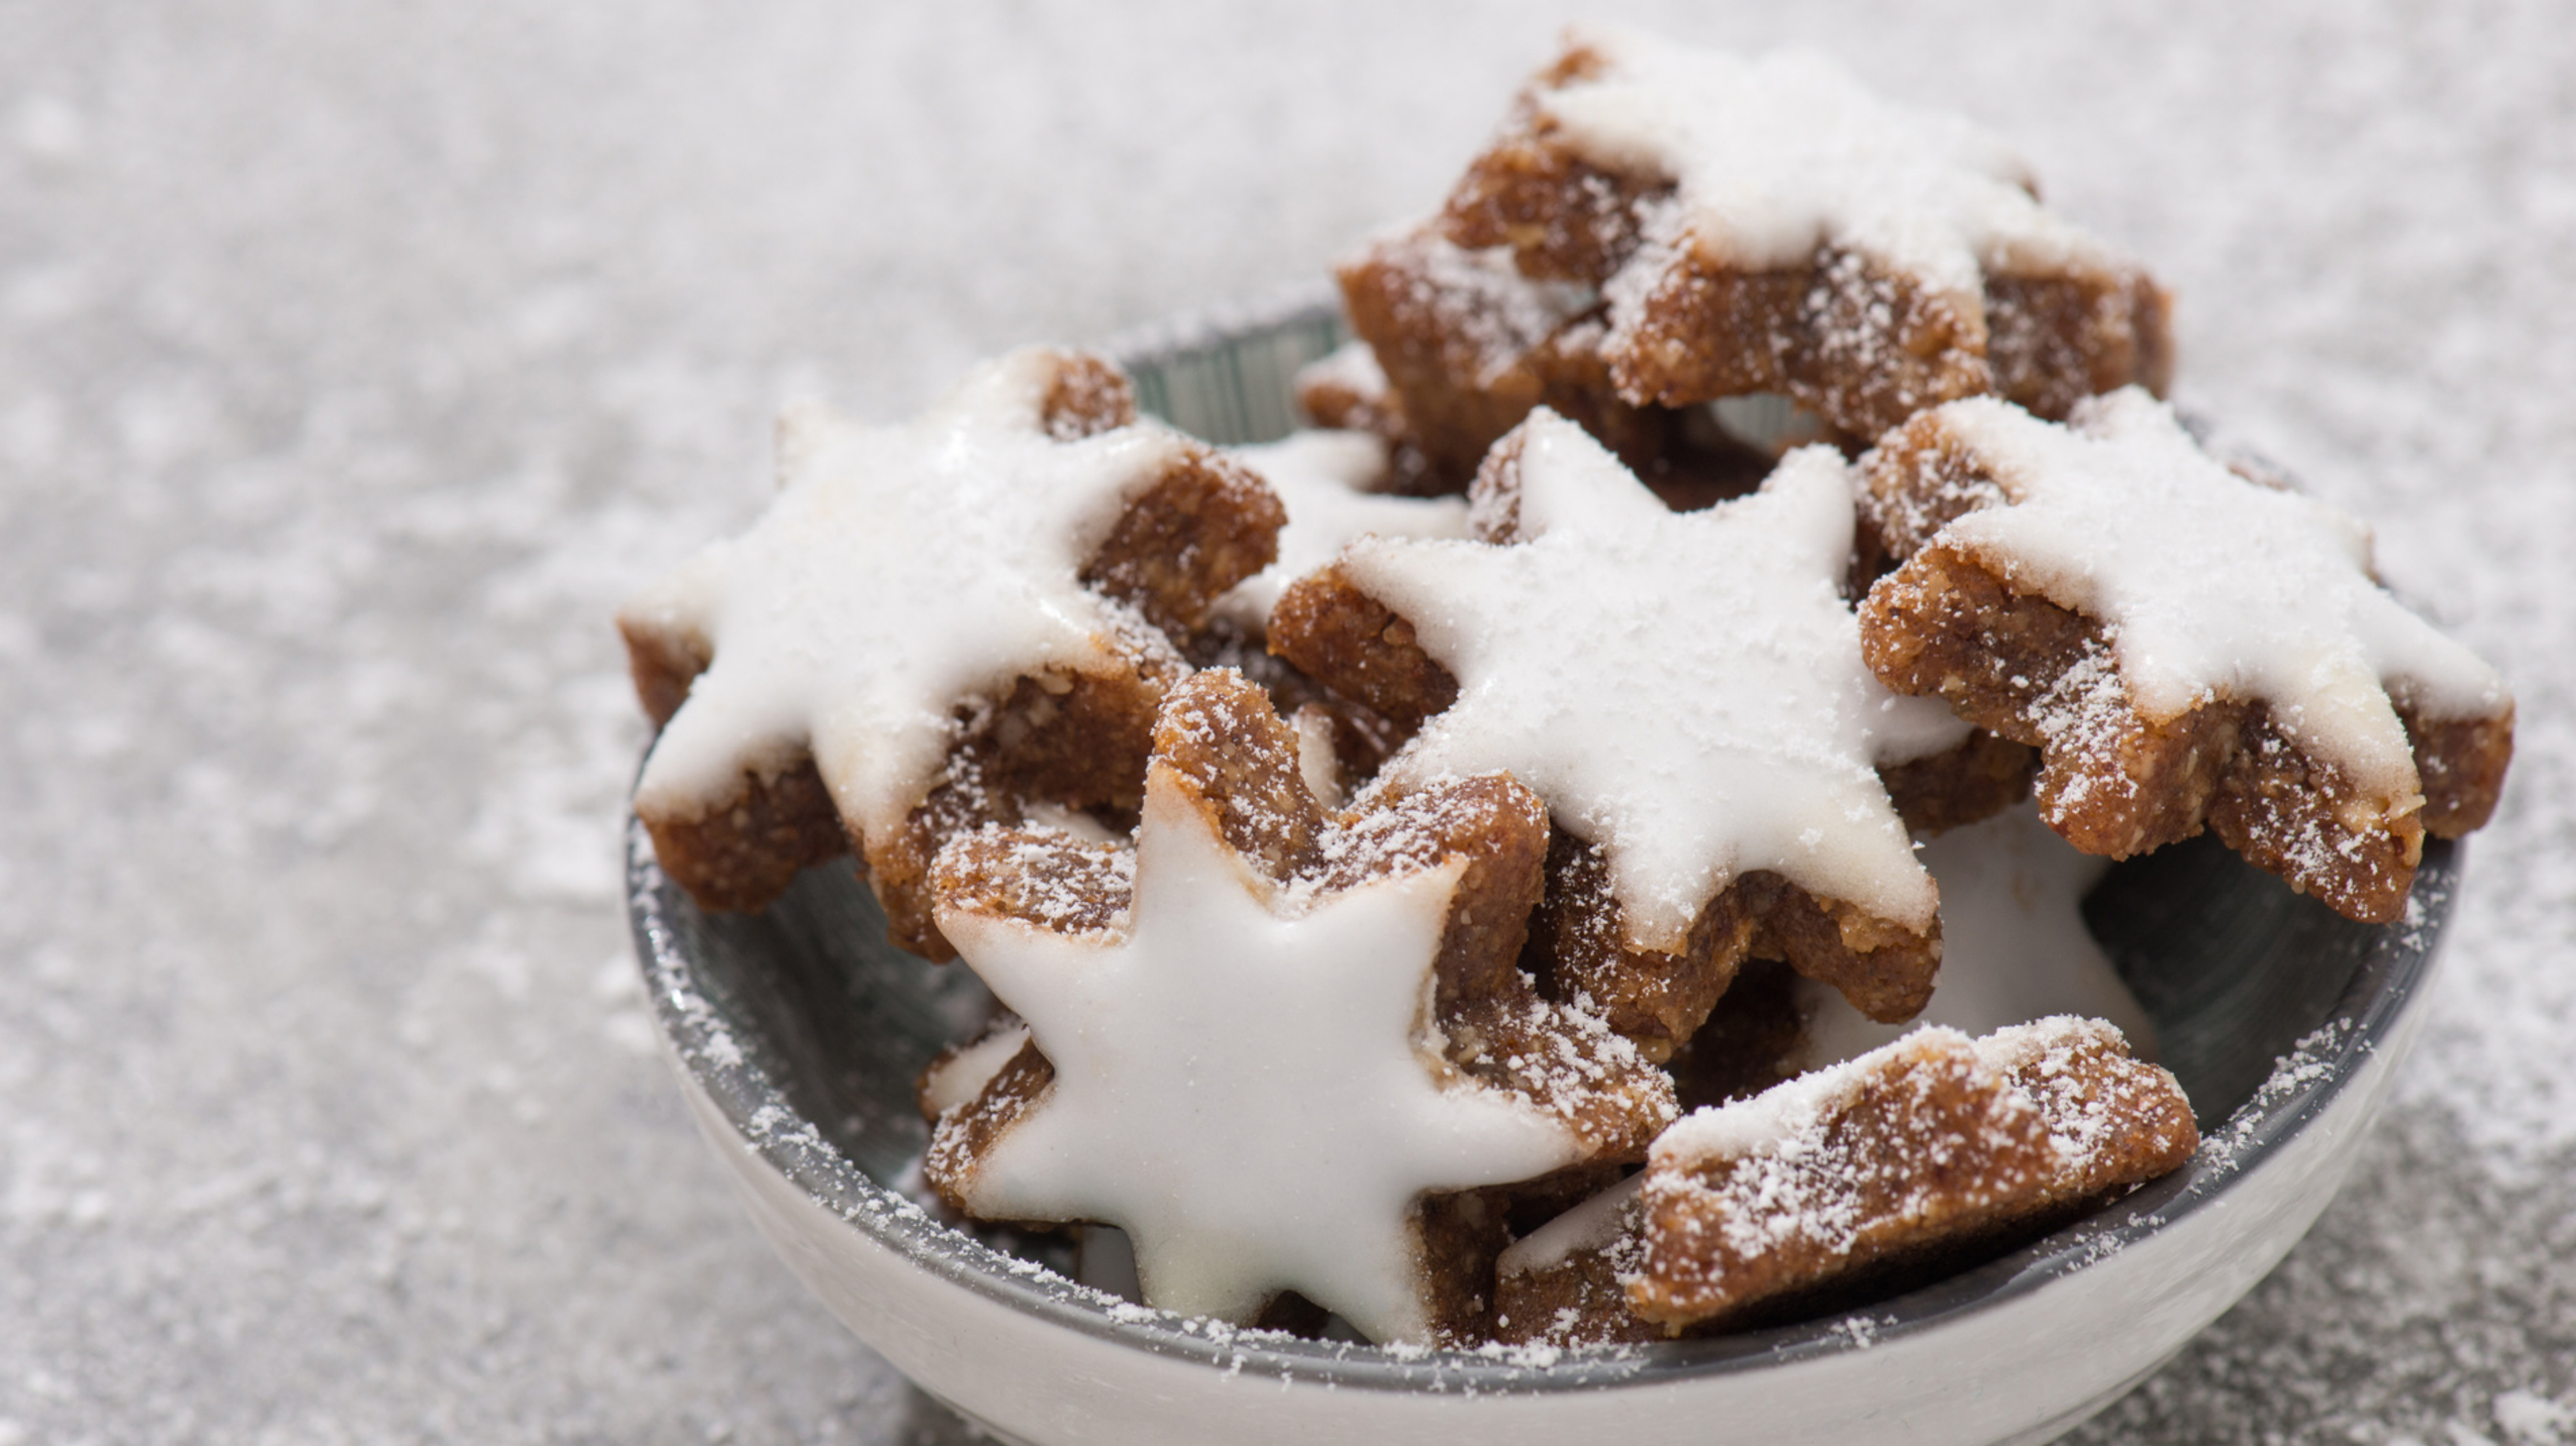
{"x":797,"y":1034}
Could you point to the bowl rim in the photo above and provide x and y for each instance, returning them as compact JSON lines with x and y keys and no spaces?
{"x":2386,"y":984}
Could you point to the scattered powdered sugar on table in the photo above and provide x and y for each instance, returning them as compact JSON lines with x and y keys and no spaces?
{"x":356,"y":361}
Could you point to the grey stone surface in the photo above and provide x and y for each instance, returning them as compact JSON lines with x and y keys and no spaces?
{"x":355,"y":359}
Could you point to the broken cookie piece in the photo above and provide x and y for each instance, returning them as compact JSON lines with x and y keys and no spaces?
{"x":1768,"y":226}
{"x":1269,"y":1046}
{"x":932,"y":626}
{"x":1853,"y":1181}
{"x":2186,"y":646}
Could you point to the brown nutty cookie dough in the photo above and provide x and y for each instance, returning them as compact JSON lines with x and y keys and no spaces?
{"x":1859,"y":336}
{"x":1463,"y":346}
{"x":1970,"y":623}
{"x":1569,"y":1287}
{"x":1749,"y":1042}
{"x":1072,"y":737}
{"x":1662,"y":999}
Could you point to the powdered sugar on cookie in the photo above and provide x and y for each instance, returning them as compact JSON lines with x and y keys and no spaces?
{"x":902,"y":572}
{"x":2209,"y":585}
{"x":1248,"y":1082}
{"x":1683,"y":689}
{"x":1777,"y":156}
{"x":1485,"y":302}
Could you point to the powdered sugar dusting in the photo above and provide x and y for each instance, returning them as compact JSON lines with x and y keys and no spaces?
{"x":2048,"y":1060}
{"x":1483,"y":301}
{"x":2308,"y":1064}
{"x":1790,"y":1178}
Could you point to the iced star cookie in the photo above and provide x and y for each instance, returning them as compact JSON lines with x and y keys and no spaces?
{"x":1768,"y":226}
{"x":932,"y":625}
{"x":2186,"y":646}
{"x":1465,"y":346}
{"x":1923,"y":1155}
{"x":1685,"y":691}
{"x":1269,"y":1042}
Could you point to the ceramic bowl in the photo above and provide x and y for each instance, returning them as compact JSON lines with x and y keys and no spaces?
{"x":797,"y":1033}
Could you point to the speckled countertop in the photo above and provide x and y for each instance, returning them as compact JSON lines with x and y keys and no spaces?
{"x":355,"y":359}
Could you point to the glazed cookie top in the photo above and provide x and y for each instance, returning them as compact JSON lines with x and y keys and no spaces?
{"x":2209,"y":584}
{"x":1776,"y":156}
{"x":1247,"y":1079}
{"x":1685,"y":690}
{"x":901,"y":572}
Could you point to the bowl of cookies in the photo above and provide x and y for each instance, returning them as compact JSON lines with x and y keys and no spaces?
{"x":1692,"y":810}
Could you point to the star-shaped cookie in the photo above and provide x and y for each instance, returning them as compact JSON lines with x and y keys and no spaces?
{"x":1259,"y":1045}
{"x":932,"y":623}
{"x":2184,"y":644}
{"x":1685,"y":691}
{"x":1768,"y":225}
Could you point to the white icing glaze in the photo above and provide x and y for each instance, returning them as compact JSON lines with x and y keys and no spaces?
{"x":958,"y":1078}
{"x":1323,"y":479}
{"x":901,"y":572}
{"x":1317,"y":763}
{"x":1592,"y":1225}
{"x":1684,"y":689}
{"x":1243,"y":1083}
{"x":1790,"y":1180}
{"x":1776,"y":156}
{"x":1351,"y":366}
{"x":2013,"y":945}
{"x":2212,"y":586}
